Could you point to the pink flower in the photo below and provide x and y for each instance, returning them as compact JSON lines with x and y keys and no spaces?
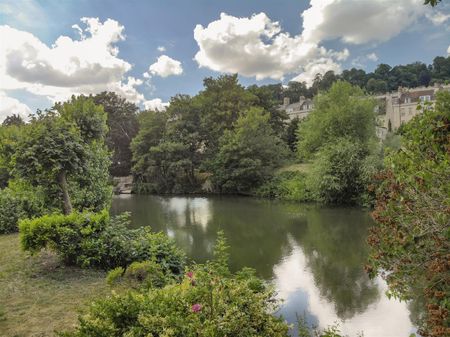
{"x":190,"y":274}
{"x":196,"y":307}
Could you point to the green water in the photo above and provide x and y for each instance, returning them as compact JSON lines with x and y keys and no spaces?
{"x":314,"y":256}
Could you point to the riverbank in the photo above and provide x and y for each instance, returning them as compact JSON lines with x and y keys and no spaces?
{"x":38,"y":295}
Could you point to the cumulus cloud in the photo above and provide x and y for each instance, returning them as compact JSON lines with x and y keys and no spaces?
{"x":11,"y":106}
{"x":165,"y":66}
{"x":69,"y":66}
{"x":161,"y":49}
{"x":448,"y":50}
{"x":357,"y":22}
{"x":155,"y":105}
{"x":317,"y":66}
{"x":257,"y":47}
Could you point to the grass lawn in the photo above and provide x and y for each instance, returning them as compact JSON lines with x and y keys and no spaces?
{"x":304,"y":168}
{"x":38,"y":295}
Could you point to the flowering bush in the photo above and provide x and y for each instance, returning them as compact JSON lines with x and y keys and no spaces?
{"x":209,"y":301}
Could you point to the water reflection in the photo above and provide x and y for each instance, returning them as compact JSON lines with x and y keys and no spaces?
{"x":314,"y":256}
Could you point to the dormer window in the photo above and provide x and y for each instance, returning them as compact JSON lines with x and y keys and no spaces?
{"x":425,"y":98}
{"x":407,"y":99}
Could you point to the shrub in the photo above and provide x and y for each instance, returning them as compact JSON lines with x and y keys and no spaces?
{"x":18,"y":202}
{"x":337,"y":177}
{"x":141,"y":274}
{"x":95,"y":240}
{"x":209,"y":301}
{"x":287,"y":186}
{"x":410,"y":245}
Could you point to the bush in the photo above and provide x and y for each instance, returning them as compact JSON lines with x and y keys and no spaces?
{"x":145,"y":274}
{"x":95,"y":240}
{"x":287,"y":186}
{"x":209,"y":301}
{"x":18,"y":202}
{"x":337,"y":175}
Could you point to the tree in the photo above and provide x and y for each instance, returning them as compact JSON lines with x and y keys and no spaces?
{"x":291,"y":134}
{"x":56,"y":146}
{"x":221,"y":103}
{"x":13,"y":120}
{"x":269,"y":99}
{"x":375,"y":86}
{"x":432,"y":3}
{"x":342,"y":112}
{"x":248,"y":154}
{"x":122,"y":128}
{"x":152,"y":128}
{"x":410,"y":244}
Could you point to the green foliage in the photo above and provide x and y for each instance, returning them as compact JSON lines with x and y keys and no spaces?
{"x":336,"y":176}
{"x":13,"y":120}
{"x":176,"y":148}
{"x":65,"y":147}
{"x":248,"y":154}
{"x":341,"y":112}
{"x":209,"y":301}
{"x":141,"y":274}
{"x":286,"y":186}
{"x":123,"y":127}
{"x":94,"y":240}
{"x":410,"y":245}
{"x":19,"y":201}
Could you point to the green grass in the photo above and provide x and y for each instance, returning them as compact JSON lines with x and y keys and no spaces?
{"x":38,"y":295}
{"x":304,"y":168}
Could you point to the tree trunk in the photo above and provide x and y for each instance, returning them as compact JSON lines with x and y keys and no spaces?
{"x":62,"y":181}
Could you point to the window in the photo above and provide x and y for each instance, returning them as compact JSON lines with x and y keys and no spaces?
{"x":425,"y":98}
{"x":407,"y":99}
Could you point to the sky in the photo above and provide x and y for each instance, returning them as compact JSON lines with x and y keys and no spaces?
{"x":148,"y":51}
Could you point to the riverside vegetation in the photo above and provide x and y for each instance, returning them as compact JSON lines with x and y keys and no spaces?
{"x":227,"y":139}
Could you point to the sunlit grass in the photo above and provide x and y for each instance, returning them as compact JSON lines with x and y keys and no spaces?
{"x":38,"y":295}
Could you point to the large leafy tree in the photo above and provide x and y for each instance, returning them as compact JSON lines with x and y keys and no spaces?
{"x":122,"y":128}
{"x":342,"y":112}
{"x":221,"y":102}
{"x":58,"y":146}
{"x":268,"y":98}
{"x":410,"y":244}
{"x":152,"y":128}
{"x":248,"y":154}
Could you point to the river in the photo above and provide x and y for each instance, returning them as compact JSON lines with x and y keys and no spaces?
{"x":313,"y":255}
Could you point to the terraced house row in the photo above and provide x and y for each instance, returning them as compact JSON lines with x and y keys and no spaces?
{"x":393,"y":108}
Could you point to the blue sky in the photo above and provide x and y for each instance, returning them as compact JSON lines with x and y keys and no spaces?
{"x":266,"y":41}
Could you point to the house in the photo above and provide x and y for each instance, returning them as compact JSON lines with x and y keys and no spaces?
{"x":299,"y":109}
{"x":399,"y":107}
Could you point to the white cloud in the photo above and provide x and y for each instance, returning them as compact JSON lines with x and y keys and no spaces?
{"x":448,"y":50}
{"x":437,"y":17}
{"x":361,"y":61}
{"x":357,"y":21}
{"x":155,"y":105}
{"x":256,"y":46}
{"x":69,"y":66}
{"x":161,"y":49}
{"x":372,"y":57}
{"x":164,"y":67}
{"x":11,"y":106}
{"x":317,"y":66}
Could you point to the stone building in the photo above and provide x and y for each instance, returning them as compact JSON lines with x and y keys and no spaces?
{"x":399,"y":107}
{"x":299,"y":109}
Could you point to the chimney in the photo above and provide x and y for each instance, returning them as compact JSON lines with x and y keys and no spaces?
{"x":286,"y":101}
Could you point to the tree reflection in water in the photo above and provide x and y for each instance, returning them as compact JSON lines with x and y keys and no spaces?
{"x":314,"y":256}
